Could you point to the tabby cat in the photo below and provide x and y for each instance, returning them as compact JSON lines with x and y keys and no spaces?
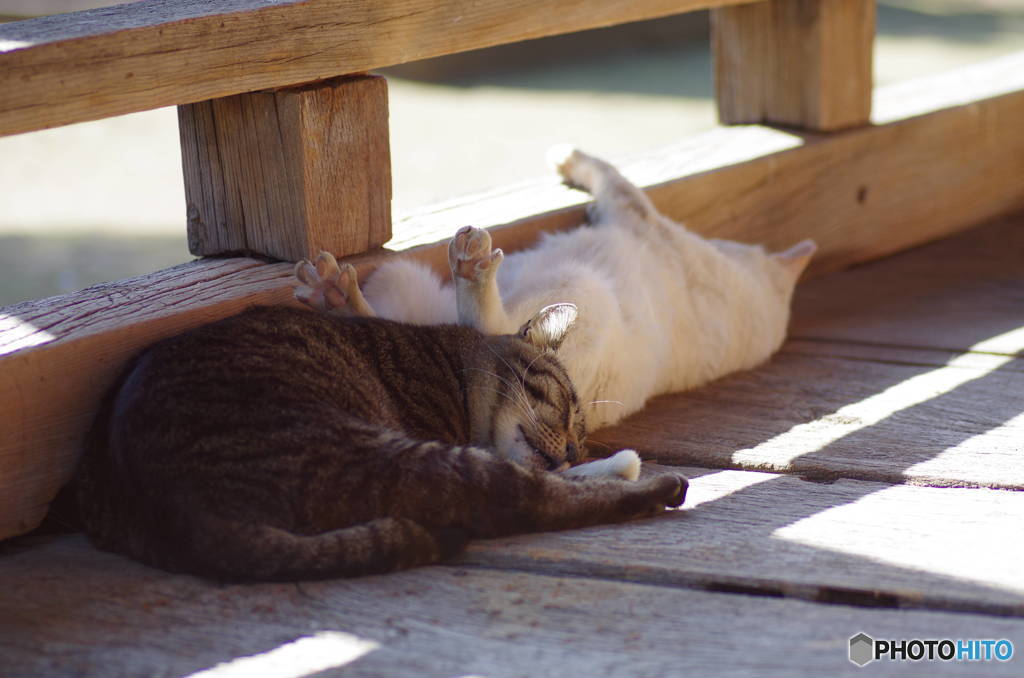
{"x":283,"y":444}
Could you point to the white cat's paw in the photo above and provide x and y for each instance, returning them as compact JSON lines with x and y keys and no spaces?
{"x":323,"y":285}
{"x":625,"y":464}
{"x":471,"y":257}
{"x":574,"y":166}
{"x":560,"y":156}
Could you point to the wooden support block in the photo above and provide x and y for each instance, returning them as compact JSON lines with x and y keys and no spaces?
{"x":287,"y":173}
{"x":801,"y":63}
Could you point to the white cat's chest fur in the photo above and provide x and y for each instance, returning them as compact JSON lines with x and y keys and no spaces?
{"x":648,"y":322}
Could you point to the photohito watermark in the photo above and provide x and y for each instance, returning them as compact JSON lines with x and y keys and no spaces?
{"x":864,"y":649}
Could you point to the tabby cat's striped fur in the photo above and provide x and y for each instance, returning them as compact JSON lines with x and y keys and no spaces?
{"x":286,"y":444}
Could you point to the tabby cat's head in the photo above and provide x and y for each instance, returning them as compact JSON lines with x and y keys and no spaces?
{"x":522,"y":403}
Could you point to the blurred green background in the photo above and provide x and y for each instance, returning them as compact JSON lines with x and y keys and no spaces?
{"x":103,"y":200}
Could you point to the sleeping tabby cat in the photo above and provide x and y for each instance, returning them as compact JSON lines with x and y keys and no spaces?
{"x":283,"y":444}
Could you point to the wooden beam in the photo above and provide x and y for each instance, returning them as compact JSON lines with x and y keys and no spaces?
{"x":290,"y":172}
{"x":801,"y":63}
{"x":103,"y":62}
{"x":861,"y":194}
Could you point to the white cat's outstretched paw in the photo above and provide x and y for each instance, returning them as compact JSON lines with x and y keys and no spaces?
{"x":322,"y":285}
{"x":471,"y":257}
{"x":559,"y":155}
{"x":577,"y":169}
{"x":624,"y":464}
{"x":326,"y":286}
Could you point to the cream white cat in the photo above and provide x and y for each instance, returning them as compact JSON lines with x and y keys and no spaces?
{"x":656,"y":307}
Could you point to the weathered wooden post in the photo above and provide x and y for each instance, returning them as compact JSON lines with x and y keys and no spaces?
{"x":799,"y":63}
{"x":289,"y":172}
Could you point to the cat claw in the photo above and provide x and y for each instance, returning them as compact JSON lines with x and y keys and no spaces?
{"x":471,"y":257}
{"x":325,"y":286}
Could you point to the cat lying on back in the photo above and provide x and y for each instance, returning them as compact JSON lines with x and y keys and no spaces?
{"x":284,"y":444}
{"x":660,"y":309}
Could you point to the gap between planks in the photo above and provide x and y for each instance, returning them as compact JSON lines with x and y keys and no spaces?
{"x":99,"y":615}
{"x":850,"y":543}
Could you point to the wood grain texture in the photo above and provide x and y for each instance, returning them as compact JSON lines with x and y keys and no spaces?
{"x":961,"y":292}
{"x":58,"y":357}
{"x":849,"y":541}
{"x":70,"y":610}
{"x":103,"y":62}
{"x":928,"y":172}
{"x":829,"y":417}
{"x":289,"y":172}
{"x":800,"y":63}
{"x":852,"y":542}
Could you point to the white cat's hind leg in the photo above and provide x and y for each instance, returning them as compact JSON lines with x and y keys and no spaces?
{"x":474,"y":269}
{"x":615,"y":197}
{"x":624,"y":464}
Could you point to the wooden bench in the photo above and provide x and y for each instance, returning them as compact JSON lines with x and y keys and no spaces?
{"x":285,"y":147}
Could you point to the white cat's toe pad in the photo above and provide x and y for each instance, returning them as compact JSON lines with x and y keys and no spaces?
{"x":470,"y":255}
{"x":324,"y":285}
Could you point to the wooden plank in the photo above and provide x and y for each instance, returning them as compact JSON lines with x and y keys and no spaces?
{"x":952,"y":295}
{"x":851,"y":542}
{"x":736,"y":183}
{"x":68,"y":609}
{"x":94,"y":64}
{"x":60,"y":355}
{"x":290,"y":172}
{"x":800,"y":63}
{"x":829,"y":417}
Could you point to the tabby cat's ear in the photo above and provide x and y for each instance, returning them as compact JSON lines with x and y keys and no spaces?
{"x":549,"y":326}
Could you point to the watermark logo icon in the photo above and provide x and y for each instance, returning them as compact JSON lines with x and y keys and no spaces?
{"x":862,"y":649}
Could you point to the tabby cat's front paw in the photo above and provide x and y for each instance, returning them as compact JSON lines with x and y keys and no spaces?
{"x":666,"y":490}
{"x":470,"y":255}
{"x":325,"y":286}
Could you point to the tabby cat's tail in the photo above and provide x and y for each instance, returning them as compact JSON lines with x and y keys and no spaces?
{"x":231,"y":551}
{"x":170,"y":538}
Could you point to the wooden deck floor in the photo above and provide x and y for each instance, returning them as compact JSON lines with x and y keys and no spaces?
{"x":866,"y":480}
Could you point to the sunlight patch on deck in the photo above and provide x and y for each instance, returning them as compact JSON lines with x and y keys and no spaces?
{"x":975,"y":363}
{"x":302,"y":657}
{"x":713,"y":486}
{"x":976,"y":547}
